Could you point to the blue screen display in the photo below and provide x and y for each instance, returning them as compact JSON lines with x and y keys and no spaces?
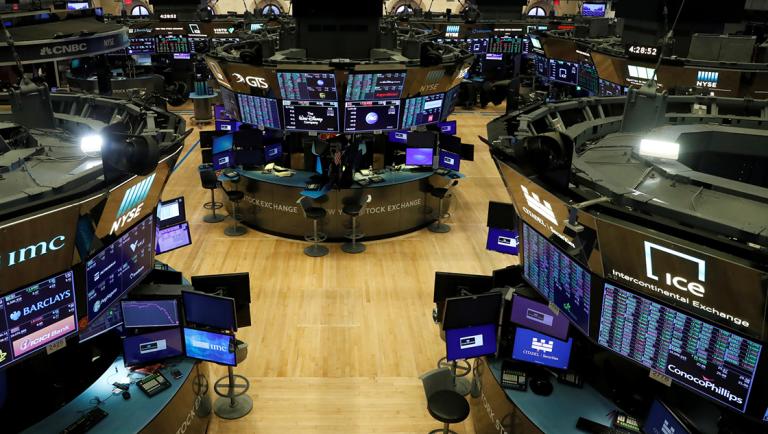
{"x":448,"y":127}
{"x":534,"y":347}
{"x":418,"y":156}
{"x":150,"y":313}
{"x":212,"y":347}
{"x":223,"y":160}
{"x":449,"y":160}
{"x":209,"y":310}
{"x":273,"y":152}
{"x":151,"y":347}
{"x":222,"y":143}
{"x":661,"y":421}
{"x":398,"y":137}
{"x":470,"y":342}
{"x":502,"y":241}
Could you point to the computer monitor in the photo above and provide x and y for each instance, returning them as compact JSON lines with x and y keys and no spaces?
{"x":449,"y":160}
{"x":661,"y":420}
{"x":167,"y":44}
{"x":502,"y":241}
{"x":419,"y":156}
{"x":540,"y":349}
{"x":449,"y":103}
{"x":423,"y":110}
{"x":234,"y":285}
{"x":172,"y":237}
{"x":562,"y":71}
{"x":494,"y":56}
{"x":223,"y":143}
{"x":273,"y":152}
{"x":398,"y":137}
{"x":539,"y":317}
{"x":477,"y":45}
{"x":375,"y":86}
{"x":448,"y":127}
{"x":112,"y":319}
{"x":223,"y":155}
{"x":309,"y":116}
{"x":182,"y":56}
{"x":210,"y":346}
{"x":589,"y":9}
{"x":308,"y":86}
{"x":37,"y":315}
{"x":450,"y":143}
{"x":249,"y":158}
{"x":171,"y":212}
{"x":470,"y":342}
{"x":143,"y":59}
{"x":149,"y":313}
{"x":422,"y":139}
{"x":362,"y":116}
{"x":449,"y":285}
{"x":209,"y":310}
{"x":259,"y":111}
{"x":152,"y":347}
{"x":472,"y":310}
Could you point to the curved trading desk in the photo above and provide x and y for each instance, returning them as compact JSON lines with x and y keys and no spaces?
{"x":400,"y":204}
{"x":184,"y":407}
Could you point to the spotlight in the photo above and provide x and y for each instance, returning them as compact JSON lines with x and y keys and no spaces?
{"x":91,"y":143}
{"x":659,"y":149}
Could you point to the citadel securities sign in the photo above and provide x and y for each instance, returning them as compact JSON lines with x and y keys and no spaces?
{"x":685,"y":275}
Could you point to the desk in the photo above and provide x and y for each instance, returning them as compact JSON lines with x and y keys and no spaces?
{"x":184,"y":407}
{"x":500,"y":411}
{"x":400,"y":204}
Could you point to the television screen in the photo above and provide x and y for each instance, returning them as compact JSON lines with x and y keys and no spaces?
{"x":423,"y":110}
{"x":477,"y":45}
{"x":537,"y":316}
{"x":34,"y":316}
{"x":209,"y":310}
{"x":534,"y":347}
{"x":418,"y":156}
{"x":449,"y":160}
{"x":223,"y":143}
{"x":112,"y":319}
{"x":565,"y":72}
{"x":167,"y":44}
{"x":262,"y":112}
{"x":593,"y":9}
{"x":311,"y":116}
{"x":472,"y":310}
{"x":557,"y":277}
{"x":172,"y":238}
{"x":502,"y":241}
{"x":371,"y":116}
{"x":375,"y":86}
{"x":141,"y":46}
{"x":171,"y":212}
{"x":273,"y":152}
{"x":152,"y":347}
{"x":448,"y":127}
{"x":308,"y":86}
{"x":661,"y":420}
{"x":470,"y":342}
{"x":256,"y":26}
{"x":210,"y":346}
{"x":398,"y":137}
{"x":150,"y":313}
{"x":707,"y":359}
{"x":119,"y":267}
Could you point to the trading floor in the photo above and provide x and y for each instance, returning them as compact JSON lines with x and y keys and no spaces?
{"x":337,"y":343}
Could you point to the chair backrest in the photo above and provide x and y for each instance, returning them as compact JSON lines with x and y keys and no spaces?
{"x":306,"y":204}
{"x":437,"y":380}
{"x":208,"y":178}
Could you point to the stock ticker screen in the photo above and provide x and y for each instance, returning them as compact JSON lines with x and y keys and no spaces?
{"x":566,"y":72}
{"x":707,"y":359}
{"x":141,"y":46}
{"x":167,"y":44}
{"x":371,"y":116}
{"x":375,"y":86}
{"x":259,"y":111}
{"x":556,"y":276}
{"x":308,"y":86}
{"x":588,"y":78}
{"x":506,"y":44}
{"x":423,"y":110}
{"x":35,"y":316}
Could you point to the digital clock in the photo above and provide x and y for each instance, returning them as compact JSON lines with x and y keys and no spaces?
{"x":642,"y":50}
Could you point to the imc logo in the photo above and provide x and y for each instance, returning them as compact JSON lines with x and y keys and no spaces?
{"x":34,"y":250}
{"x":666,"y":429}
{"x":470,"y":341}
{"x":540,"y":206}
{"x":681,"y":283}
{"x":542,"y":345}
{"x":130,"y":207}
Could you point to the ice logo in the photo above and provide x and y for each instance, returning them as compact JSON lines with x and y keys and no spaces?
{"x":371,"y":118}
{"x":15,"y":315}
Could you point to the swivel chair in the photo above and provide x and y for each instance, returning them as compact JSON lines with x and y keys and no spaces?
{"x":443,"y":403}
{"x":314,"y":213}
{"x":441,"y":193}
{"x":354,"y":210}
{"x":209,"y":182}
{"x":235,"y":196}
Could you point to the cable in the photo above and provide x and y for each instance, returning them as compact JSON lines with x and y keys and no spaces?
{"x":667,"y":39}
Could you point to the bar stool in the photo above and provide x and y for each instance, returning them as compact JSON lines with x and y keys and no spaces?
{"x":459,"y":371}
{"x":210,"y":182}
{"x":235,"y":196}
{"x":314,"y":213}
{"x":443,"y":403}
{"x":441,"y":193}
{"x":354,"y":210}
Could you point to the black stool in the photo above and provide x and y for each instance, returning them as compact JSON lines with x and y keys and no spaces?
{"x":209,"y":182}
{"x":443,"y":403}
{"x":314,"y":213}
{"x":234,"y":196}
{"x":354,"y":210}
{"x":441,"y":193}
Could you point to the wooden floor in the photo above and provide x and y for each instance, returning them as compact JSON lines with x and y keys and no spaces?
{"x":337,"y":343}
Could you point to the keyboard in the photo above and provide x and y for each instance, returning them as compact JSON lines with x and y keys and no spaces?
{"x":86,"y":421}
{"x":153,"y":384}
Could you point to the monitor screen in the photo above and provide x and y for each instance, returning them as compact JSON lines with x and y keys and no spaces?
{"x":470,"y":342}
{"x":537,"y":316}
{"x":223,"y":160}
{"x":557,"y":277}
{"x":171,"y":212}
{"x":661,"y":420}
{"x":75,"y":6}
{"x":311,"y":116}
{"x":209,"y":310}
{"x":506,"y":44}
{"x":182,"y":56}
{"x":34,"y":316}
{"x":172,"y":237}
{"x":308,"y":86}
{"x":210,"y":346}
{"x":398,"y":137}
{"x":565,"y":72}
{"x":608,"y":88}
{"x":535,"y":42}
{"x":494,"y":56}
{"x":371,"y":116}
{"x":503,"y":241}
{"x":534,"y":347}
{"x":448,"y":127}
{"x":143,"y":59}
{"x":119,"y":267}
{"x":707,"y":359}
{"x":273,"y":152}
{"x":141,"y":46}
{"x":472,"y":310}
{"x":423,"y":110}
{"x":541,"y":66}
{"x":449,"y":160}
{"x":152,"y":347}
{"x":223,"y":143}
{"x":477,"y":45}
{"x":234,"y":285}
{"x":150,"y":313}
{"x":419,"y":156}
{"x":167,"y":44}
{"x":375,"y":86}
{"x":449,"y":103}
{"x":259,"y":111}
{"x":593,"y":9}
{"x":112,"y":319}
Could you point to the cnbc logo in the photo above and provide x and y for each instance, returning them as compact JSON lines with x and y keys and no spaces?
{"x":133,"y":200}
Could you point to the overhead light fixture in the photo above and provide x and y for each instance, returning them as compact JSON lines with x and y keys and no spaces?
{"x":659,"y":149}
{"x":91,"y":143}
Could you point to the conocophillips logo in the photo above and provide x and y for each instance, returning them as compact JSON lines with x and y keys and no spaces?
{"x":130,"y":207}
{"x":695,"y":288}
{"x":542,"y":207}
{"x":707,"y":384}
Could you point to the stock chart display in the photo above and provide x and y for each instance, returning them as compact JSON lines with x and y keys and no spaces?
{"x":375,"y":86}
{"x":308,"y":86}
{"x":588,"y":78}
{"x":167,"y":44}
{"x":707,"y":359}
{"x":506,"y":44}
{"x":423,"y":110}
{"x":259,"y":111}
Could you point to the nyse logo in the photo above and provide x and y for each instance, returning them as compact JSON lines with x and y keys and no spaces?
{"x":542,"y":345}
{"x":471,"y":341}
{"x":250,"y":80}
{"x":133,"y":200}
{"x":681,"y":283}
{"x":666,"y":429}
{"x":63,"y":49}
{"x":34,"y":250}
{"x":540,"y":206}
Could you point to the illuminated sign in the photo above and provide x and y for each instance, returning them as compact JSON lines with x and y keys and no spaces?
{"x":33,"y":250}
{"x":251,"y":80}
{"x":707,"y":79}
{"x":133,"y":200}
{"x":642,"y":51}
{"x":679,"y":282}
{"x":167,"y":16}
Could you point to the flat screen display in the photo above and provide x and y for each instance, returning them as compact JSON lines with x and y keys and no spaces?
{"x":256,"y":26}
{"x":371,"y":116}
{"x":111,"y":319}
{"x":449,"y":103}
{"x":449,"y":160}
{"x":537,"y":316}
{"x":152,"y":347}
{"x":375,"y":86}
{"x":418,"y":156}
{"x":168,"y":44}
{"x":470,"y":342}
{"x":209,"y":310}
{"x":534,"y":347}
{"x":423,"y":110}
{"x":141,"y":46}
{"x":661,"y":420}
{"x":448,"y":127}
{"x":477,"y":45}
{"x":608,"y":88}
{"x":35,"y":316}
{"x":562,"y":71}
{"x":273,"y":152}
{"x":452,"y":30}
{"x":259,"y":111}
{"x":173,"y":237}
{"x":502,"y":241}
{"x":494,"y":56}
{"x":311,"y":116}
{"x":182,"y":56}
{"x":223,"y":160}
{"x":593,"y":9}
{"x":398,"y":137}
{"x":223,"y":143}
{"x":150,"y":313}
{"x":119,"y":267}
{"x":210,"y":346}
{"x":308,"y":86}
{"x":707,"y":359}
{"x":557,"y":277}
{"x":143,"y":59}
{"x":472,"y":310}
{"x":541,"y":66}
{"x":171,"y":212}
{"x":76,"y":6}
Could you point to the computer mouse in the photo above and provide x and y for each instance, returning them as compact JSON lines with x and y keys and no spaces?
{"x":541,"y":386}
{"x":126,"y":395}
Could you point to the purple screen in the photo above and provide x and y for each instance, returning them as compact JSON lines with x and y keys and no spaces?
{"x":398,"y":136}
{"x":448,"y":127}
{"x":470,"y":342}
{"x":502,"y":241}
{"x":150,"y":347}
{"x":538,"y":316}
{"x":418,"y":156}
{"x":172,"y":238}
{"x":449,"y":160}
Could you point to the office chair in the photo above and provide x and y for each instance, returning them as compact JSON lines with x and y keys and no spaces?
{"x":354,"y":210}
{"x":441,"y":193}
{"x":314,"y":213}
{"x":234,"y":196}
{"x":209,"y":182}
{"x":443,"y":403}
